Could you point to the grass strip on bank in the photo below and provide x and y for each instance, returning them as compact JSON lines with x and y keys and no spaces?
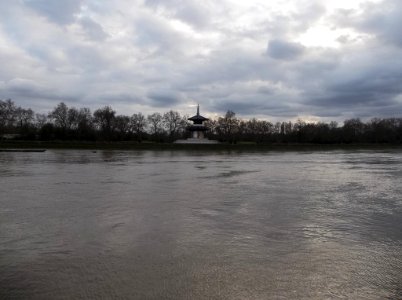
{"x":172,"y":146}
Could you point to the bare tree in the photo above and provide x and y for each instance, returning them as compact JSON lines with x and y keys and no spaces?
{"x":122,"y":125}
{"x":353,"y":130}
{"x":24,"y":117}
{"x":72,"y":118}
{"x":173,"y":123}
{"x":40,"y":120}
{"x":7,"y":114}
{"x":155,"y":123}
{"x":60,"y":116}
{"x":228,"y":126}
{"x":104,"y":119}
{"x":85,"y":128}
{"x":138,"y":124}
{"x":84,"y":119}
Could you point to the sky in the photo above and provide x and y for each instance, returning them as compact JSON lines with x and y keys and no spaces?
{"x":277,"y":60}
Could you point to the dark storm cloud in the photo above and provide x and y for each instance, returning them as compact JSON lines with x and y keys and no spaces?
{"x":280,"y":49}
{"x":164,"y":98}
{"x":255,"y":106}
{"x":23,"y":87}
{"x":108,"y":98}
{"x":93,"y":30}
{"x":29,"y":92}
{"x":366,"y":82}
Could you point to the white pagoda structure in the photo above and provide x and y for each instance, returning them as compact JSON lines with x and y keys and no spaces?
{"x":197,"y":130}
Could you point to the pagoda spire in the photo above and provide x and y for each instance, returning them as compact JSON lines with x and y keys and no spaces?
{"x":198,"y":109}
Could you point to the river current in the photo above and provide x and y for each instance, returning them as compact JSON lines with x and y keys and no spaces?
{"x":201,"y":225}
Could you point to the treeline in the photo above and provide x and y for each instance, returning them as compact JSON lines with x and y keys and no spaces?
{"x":80,"y":124}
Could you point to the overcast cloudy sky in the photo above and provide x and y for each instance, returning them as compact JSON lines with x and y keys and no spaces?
{"x":277,"y":59}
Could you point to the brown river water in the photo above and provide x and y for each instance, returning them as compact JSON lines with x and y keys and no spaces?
{"x":195,"y":225}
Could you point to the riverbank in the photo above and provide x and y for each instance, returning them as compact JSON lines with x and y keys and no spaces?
{"x":173,"y":146}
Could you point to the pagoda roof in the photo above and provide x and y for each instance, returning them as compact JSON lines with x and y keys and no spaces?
{"x":198,"y":117}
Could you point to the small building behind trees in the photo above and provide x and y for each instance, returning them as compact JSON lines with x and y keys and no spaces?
{"x":197,"y":130}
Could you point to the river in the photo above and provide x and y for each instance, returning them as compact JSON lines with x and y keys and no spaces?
{"x":78,"y":224}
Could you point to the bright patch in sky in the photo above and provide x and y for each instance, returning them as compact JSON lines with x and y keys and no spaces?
{"x":325,"y":34}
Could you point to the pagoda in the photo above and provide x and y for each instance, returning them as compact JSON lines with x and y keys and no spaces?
{"x":197,"y":129}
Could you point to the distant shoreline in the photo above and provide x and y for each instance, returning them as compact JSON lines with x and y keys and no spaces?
{"x":171,"y":146}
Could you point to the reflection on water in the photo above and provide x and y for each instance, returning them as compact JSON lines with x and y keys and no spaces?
{"x":193,"y":225}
